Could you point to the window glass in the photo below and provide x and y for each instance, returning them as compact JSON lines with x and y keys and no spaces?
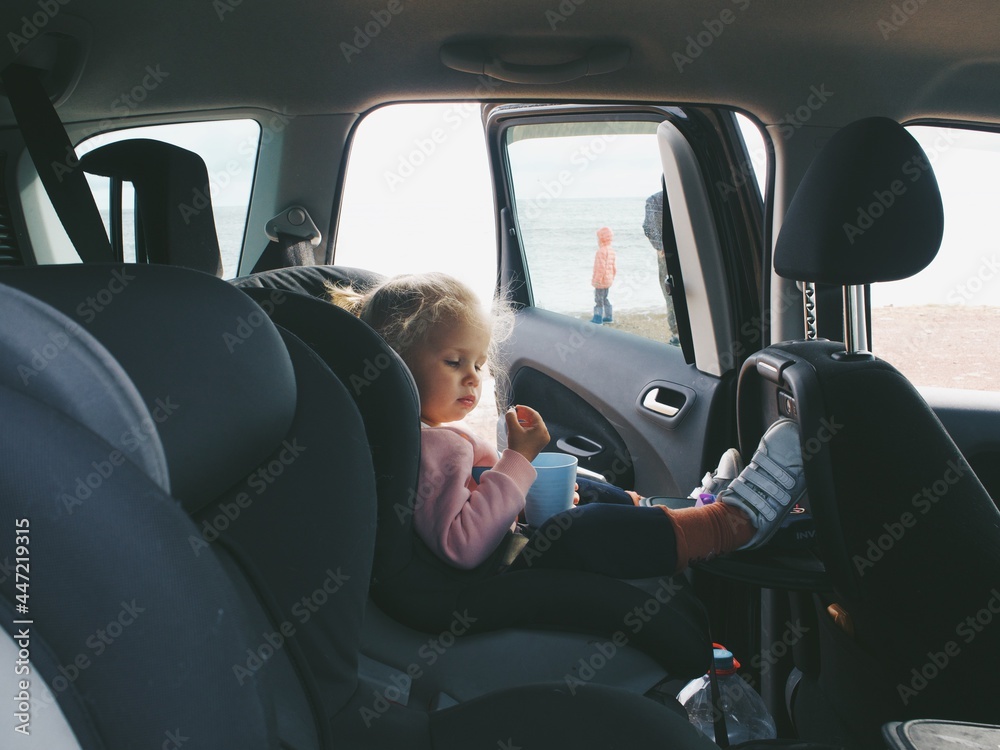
{"x":589,"y":210}
{"x":939,"y":327}
{"x":756,"y":148}
{"x":418,"y":197}
{"x":229,"y":148}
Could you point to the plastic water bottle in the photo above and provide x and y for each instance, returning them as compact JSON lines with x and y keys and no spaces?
{"x":747,"y":717}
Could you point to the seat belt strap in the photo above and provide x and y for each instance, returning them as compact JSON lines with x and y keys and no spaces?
{"x":55,"y":160}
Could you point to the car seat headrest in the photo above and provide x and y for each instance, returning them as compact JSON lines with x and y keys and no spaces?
{"x":50,"y":358}
{"x":310,"y":280}
{"x":868,"y":209}
{"x":209,"y":365}
{"x":172,"y":200}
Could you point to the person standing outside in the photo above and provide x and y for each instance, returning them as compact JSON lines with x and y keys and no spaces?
{"x":652,"y":226}
{"x":603,"y":276}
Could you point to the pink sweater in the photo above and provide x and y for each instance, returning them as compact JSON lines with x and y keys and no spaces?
{"x":460,"y":520}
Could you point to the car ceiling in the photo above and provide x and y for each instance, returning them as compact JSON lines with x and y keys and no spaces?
{"x":942,"y":61}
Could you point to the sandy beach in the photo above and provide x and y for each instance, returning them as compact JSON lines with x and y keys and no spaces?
{"x":953,"y":346}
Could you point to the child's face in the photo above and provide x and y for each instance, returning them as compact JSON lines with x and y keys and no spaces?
{"x":447,"y":369}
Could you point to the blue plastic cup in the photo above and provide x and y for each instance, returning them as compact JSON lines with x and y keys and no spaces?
{"x":552,"y":490}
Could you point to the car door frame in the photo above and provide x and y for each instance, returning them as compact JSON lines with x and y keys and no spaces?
{"x":669,"y":453}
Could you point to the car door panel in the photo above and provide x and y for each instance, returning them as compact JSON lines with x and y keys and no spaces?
{"x":589,"y":383}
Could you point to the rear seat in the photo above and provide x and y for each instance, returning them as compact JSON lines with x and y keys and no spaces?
{"x":255,"y":609}
{"x":554,"y":615}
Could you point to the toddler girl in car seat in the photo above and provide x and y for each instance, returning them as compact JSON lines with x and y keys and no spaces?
{"x":445,"y":336}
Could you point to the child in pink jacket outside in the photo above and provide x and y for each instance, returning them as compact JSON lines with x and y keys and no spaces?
{"x":438,"y":327}
{"x":603,"y":276}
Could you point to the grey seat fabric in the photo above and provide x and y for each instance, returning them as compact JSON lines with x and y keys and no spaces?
{"x":410,"y":583}
{"x":128,"y":634}
{"x":908,"y":561}
{"x":266,"y":451}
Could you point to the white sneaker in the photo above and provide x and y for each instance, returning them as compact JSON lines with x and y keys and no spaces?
{"x":714,"y":482}
{"x":772,"y":484}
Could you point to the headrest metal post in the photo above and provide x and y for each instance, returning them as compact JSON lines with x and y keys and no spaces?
{"x":855,"y":319}
{"x":809,"y":310}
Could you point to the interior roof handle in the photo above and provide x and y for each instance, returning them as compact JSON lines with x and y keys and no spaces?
{"x":479,"y":59}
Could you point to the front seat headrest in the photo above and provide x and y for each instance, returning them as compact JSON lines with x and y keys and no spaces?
{"x":172,"y":197}
{"x":868,"y":209}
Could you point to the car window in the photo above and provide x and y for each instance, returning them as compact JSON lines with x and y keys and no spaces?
{"x":229,"y":148}
{"x":588,"y":203}
{"x":418,"y":197}
{"x":939,"y":327}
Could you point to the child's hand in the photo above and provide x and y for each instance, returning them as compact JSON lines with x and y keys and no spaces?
{"x":526,"y":431}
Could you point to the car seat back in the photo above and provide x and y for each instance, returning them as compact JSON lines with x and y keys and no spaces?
{"x":264,"y":449}
{"x":121,"y":630}
{"x":909,"y":537}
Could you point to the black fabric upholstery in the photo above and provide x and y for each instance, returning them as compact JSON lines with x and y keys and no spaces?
{"x":297,"y":557}
{"x":520,"y":716}
{"x":908,"y":535}
{"x":310,"y":280}
{"x":868,"y":209}
{"x":410,"y":583}
{"x":58,"y":363}
{"x":174,"y":206}
{"x":154,"y":320}
{"x":383,"y":389}
{"x":145,"y":633}
{"x":306,"y":527}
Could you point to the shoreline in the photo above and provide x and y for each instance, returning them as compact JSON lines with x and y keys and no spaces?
{"x":950,"y":346}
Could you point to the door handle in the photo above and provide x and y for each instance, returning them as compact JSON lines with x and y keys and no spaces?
{"x":664,"y":401}
{"x":579,"y":446}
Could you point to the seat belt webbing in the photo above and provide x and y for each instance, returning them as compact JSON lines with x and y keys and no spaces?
{"x":55,"y":160}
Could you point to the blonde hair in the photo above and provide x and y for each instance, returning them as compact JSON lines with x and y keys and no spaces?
{"x":403,"y":309}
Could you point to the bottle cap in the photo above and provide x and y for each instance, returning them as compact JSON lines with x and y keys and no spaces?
{"x":725,"y":662}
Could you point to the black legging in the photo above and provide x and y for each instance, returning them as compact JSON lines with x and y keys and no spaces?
{"x":605,"y":534}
